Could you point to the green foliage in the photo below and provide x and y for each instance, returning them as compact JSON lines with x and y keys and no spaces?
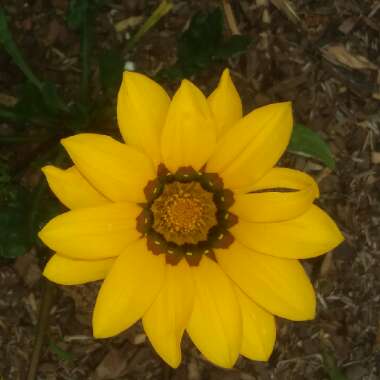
{"x":36,"y":105}
{"x":202,"y":44}
{"x":111,"y":66}
{"x":13,"y":223}
{"x":305,"y":141}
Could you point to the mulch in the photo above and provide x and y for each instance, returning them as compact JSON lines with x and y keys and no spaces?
{"x":321,"y":55}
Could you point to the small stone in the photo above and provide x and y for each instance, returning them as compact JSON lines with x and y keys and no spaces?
{"x":139,"y":339}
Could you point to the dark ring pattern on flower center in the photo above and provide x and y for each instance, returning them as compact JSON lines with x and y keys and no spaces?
{"x":217,"y":234}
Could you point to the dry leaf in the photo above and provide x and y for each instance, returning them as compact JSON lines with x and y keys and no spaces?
{"x":288,"y":9}
{"x":339,"y":55}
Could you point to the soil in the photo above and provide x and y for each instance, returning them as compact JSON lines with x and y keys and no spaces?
{"x":321,"y":55}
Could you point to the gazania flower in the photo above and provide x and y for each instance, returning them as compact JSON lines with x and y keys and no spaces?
{"x":189,"y":223}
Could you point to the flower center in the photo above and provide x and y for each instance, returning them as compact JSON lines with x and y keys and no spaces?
{"x":184,"y":213}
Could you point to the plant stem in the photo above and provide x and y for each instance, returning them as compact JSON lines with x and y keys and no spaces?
{"x":43,"y":320}
{"x":85,"y":45}
{"x":164,"y":7}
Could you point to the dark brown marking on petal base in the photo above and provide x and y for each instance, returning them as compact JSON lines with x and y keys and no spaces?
{"x":223,"y":240}
{"x":230,"y":219}
{"x":227,"y":199}
{"x":144,"y":221}
{"x":193,"y":259}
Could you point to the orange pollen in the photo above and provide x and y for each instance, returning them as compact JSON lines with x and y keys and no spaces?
{"x":184,"y":213}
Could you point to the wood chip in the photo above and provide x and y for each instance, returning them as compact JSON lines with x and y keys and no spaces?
{"x":327,"y":265}
{"x":375,"y":157}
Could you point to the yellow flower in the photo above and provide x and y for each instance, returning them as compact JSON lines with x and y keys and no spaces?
{"x":188,"y":222}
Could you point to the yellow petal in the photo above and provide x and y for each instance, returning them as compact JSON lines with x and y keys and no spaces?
{"x":142,"y":105}
{"x":259,"y":329}
{"x":285,"y":178}
{"x":128,"y":290}
{"x":215,"y":323}
{"x":65,"y":271}
{"x":189,"y":134}
{"x":251,"y":147}
{"x":166,"y":320}
{"x":280,"y":286}
{"x":225,"y":103}
{"x":308,"y":235}
{"x":275,"y":206}
{"x":92,"y":233}
{"x":71,"y":188}
{"x":118,"y":171}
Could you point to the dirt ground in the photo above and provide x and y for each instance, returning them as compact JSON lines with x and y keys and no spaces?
{"x":321,"y":55}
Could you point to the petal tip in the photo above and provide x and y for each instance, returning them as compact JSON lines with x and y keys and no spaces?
{"x":186,"y":85}
{"x":130,"y":78}
{"x":42,"y":234}
{"x":226,"y":74}
{"x":309,"y":313}
{"x":100,"y":332}
{"x":67,"y":142}
{"x":48,"y":170}
{"x":174,"y":362}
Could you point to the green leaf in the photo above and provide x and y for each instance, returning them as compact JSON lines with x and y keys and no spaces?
{"x":77,"y":13}
{"x":79,"y":17}
{"x":11,"y":48}
{"x":13,"y":223}
{"x":51,"y":98}
{"x":203,"y":37}
{"x":111,"y":66}
{"x":9,"y":114}
{"x":305,"y":141}
{"x":234,"y":45}
{"x":202,"y":45}
{"x":331,"y":368}
{"x":32,"y":104}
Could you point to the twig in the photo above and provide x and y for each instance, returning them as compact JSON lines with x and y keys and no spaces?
{"x":43,"y":319}
{"x":230,"y":17}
